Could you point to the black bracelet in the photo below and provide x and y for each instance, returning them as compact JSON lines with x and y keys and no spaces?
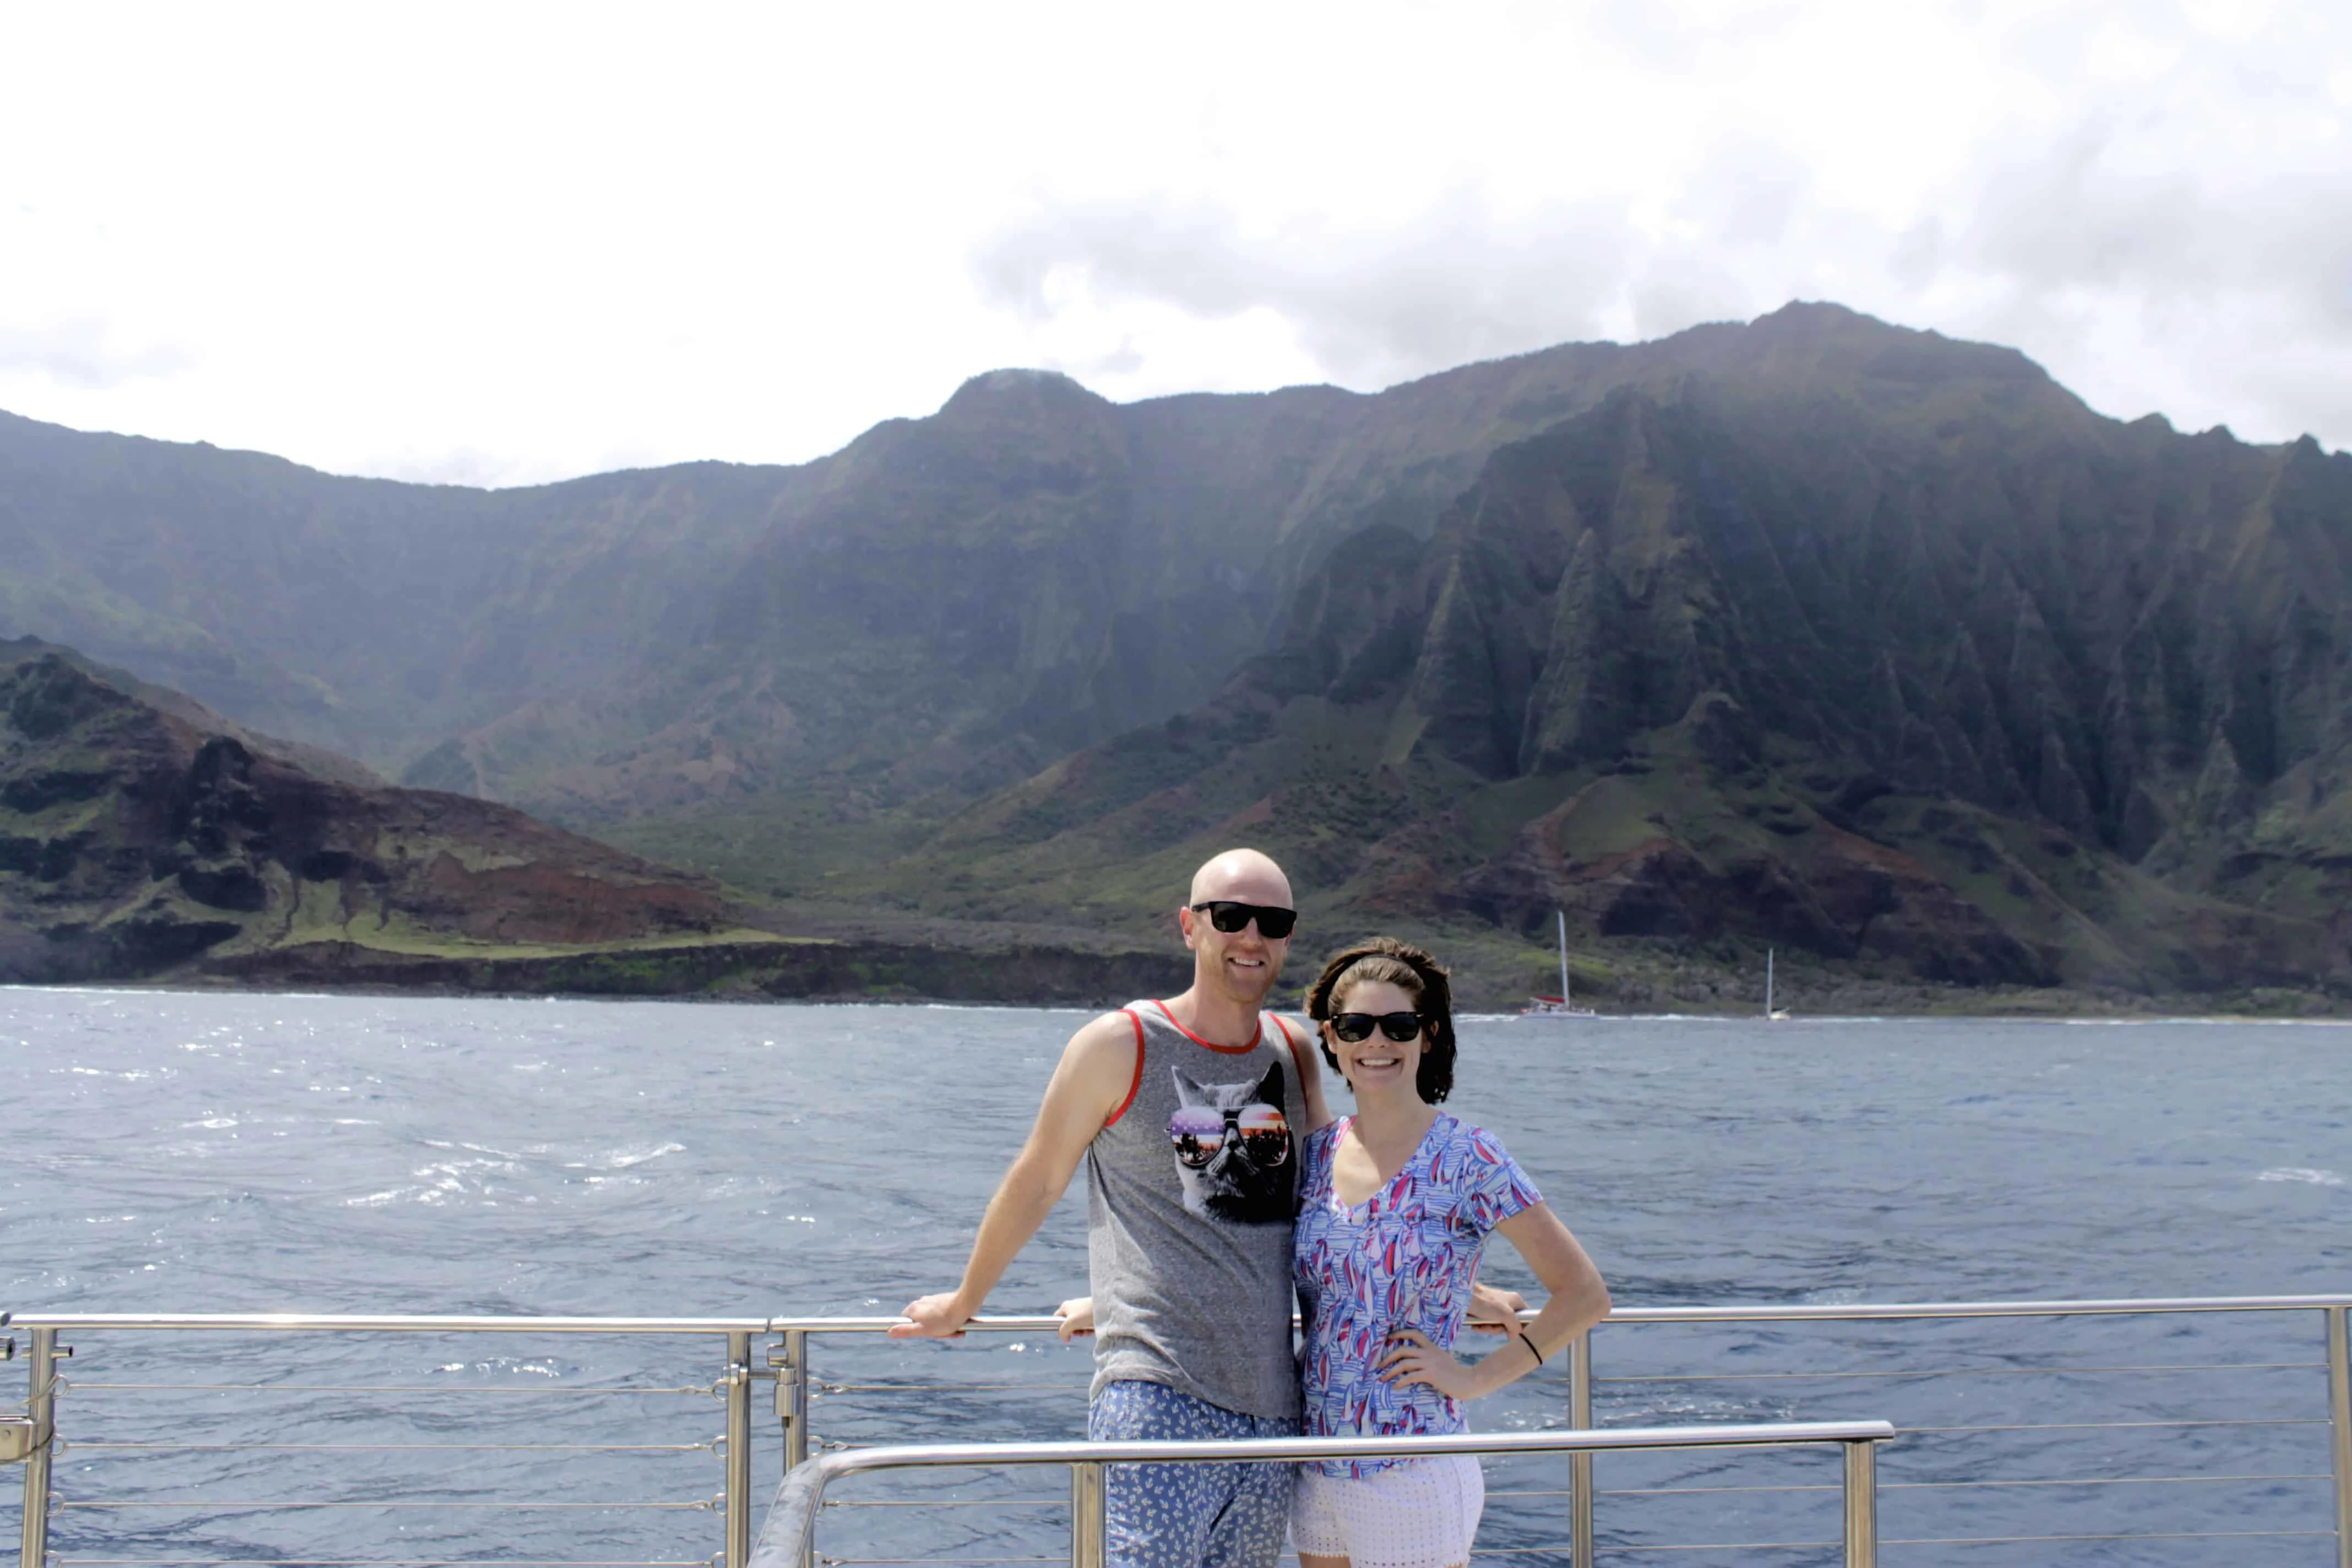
{"x":1531,"y":1345}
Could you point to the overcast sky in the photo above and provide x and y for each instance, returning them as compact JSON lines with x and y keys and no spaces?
{"x":496,"y":242}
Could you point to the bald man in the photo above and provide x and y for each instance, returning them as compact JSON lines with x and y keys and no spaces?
{"x":1187,"y":1113}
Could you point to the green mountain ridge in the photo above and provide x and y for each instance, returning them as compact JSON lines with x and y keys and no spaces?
{"x":1813,"y":633}
{"x":1907,"y":663}
{"x":1029,"y":569}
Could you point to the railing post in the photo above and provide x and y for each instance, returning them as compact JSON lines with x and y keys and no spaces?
{"x":1861,"y":1505}
{"x":2339,"y":1428}
{"x":738,"y":1450}
{"x":793,"y":1395}
{"x":41,"y":1405}
{"x":1086,"y":1514}
{"x":791,"y":1404}
{"x":1580,"y":1466}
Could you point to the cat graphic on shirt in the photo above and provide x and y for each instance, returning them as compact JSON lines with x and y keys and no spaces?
{"x":1233,"y":1148}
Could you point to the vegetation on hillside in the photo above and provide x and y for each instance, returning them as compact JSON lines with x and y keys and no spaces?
{"x":1814,"y":634}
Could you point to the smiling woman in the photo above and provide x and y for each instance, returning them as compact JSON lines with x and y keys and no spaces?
{"x":1394,"y":1206}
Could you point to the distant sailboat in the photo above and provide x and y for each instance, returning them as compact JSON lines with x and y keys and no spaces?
{"x":1769,"y":1011}
{"x":1562,"y":1005}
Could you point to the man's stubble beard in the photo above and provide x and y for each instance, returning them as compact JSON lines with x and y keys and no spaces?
{"x":1236,"y":993}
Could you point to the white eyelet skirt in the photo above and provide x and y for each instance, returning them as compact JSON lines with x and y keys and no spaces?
{"x":1423,"y":1513}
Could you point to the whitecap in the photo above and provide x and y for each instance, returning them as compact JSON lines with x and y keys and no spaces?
{"x":2304,"y":1175}
{"x":626,"y":1155}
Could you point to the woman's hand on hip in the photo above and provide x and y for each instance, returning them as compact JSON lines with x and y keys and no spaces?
{"x":1413,"y":1358}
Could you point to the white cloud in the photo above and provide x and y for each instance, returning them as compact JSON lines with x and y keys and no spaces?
{"x":1368,"y":304}
{"x":509,"y":243}
{"x":82,"y":354}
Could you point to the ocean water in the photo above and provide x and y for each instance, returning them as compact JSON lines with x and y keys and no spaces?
{"x":182,"y":1153}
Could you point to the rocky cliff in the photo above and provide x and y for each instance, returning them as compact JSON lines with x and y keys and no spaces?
{"x":144,"y":837}
{"x":141,"y":833}
{"x":1860,"y":643}
{"x":1809,"y":632}
{"x":957,"y":598}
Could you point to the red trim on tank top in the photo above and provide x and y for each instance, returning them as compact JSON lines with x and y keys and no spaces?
{"x":1294,"y":1049}
{"x":1255,"y":1036}
{"x":1137,"y":1081}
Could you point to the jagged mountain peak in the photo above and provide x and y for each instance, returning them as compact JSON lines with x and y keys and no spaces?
{"x":1021,"y":387}
{"x":1730,"y":654}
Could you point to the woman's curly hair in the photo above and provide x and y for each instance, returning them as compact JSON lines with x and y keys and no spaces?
{"x":1418,"y":974}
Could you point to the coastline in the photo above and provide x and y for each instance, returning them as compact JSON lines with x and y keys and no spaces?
{"x":1028,"y":975}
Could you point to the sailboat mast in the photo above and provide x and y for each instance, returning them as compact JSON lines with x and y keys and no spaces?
{"x":1768,"y":981}
{"x":1563,"y":958}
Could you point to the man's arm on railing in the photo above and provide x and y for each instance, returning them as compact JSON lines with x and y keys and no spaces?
{"x":1096,"y":1068}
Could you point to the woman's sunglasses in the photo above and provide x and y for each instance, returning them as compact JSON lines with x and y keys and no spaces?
{"x":1199,"y":1131}
{"x":1229,"y":917}
{"x":1354,"y":1026}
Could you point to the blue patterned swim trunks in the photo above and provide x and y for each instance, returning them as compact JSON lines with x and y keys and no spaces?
{"x":1187,"y":1516}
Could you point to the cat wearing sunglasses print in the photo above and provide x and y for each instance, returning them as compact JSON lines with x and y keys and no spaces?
{"x":1232,"y":1149}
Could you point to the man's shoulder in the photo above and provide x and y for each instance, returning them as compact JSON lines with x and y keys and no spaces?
{"x":1105,"y":1029}
{"x":1292,"y":1028}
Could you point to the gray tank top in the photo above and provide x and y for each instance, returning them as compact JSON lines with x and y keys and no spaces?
{"x":1188,"y":1214}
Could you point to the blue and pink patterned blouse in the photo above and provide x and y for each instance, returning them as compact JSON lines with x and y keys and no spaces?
{"x":1405,"y":1260}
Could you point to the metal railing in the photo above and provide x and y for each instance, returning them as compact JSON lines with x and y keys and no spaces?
{"x":789,"y":1538}
{"x":788,"y":1364}
{"x":2330,"y":1311}
{"x":1583,"y":1381}
{"x":732,"y":1386}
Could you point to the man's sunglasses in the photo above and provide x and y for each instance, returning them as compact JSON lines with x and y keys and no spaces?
{"x":1354,"y":1026}
{"x":1229,"y":917}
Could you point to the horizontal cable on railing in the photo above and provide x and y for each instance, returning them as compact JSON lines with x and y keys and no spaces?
{"x":954,"y":1502}
{"x":701,"y":1392}
{"x":111,"y":1444}
{"x":369,"y":1562}
{"x":1967,"y":1372}
{"x":265,"y":1506}
{"x":2096,"y":1482}
{"x":1926,"y":1486}
{"x":949,"y":1387}
{"x":2161,"y":1535}
{"x":391,"y":1322}
{"x":1701,"y":1546}
{"x":1697,"y":1491}
{"x":2115,"y":1426}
